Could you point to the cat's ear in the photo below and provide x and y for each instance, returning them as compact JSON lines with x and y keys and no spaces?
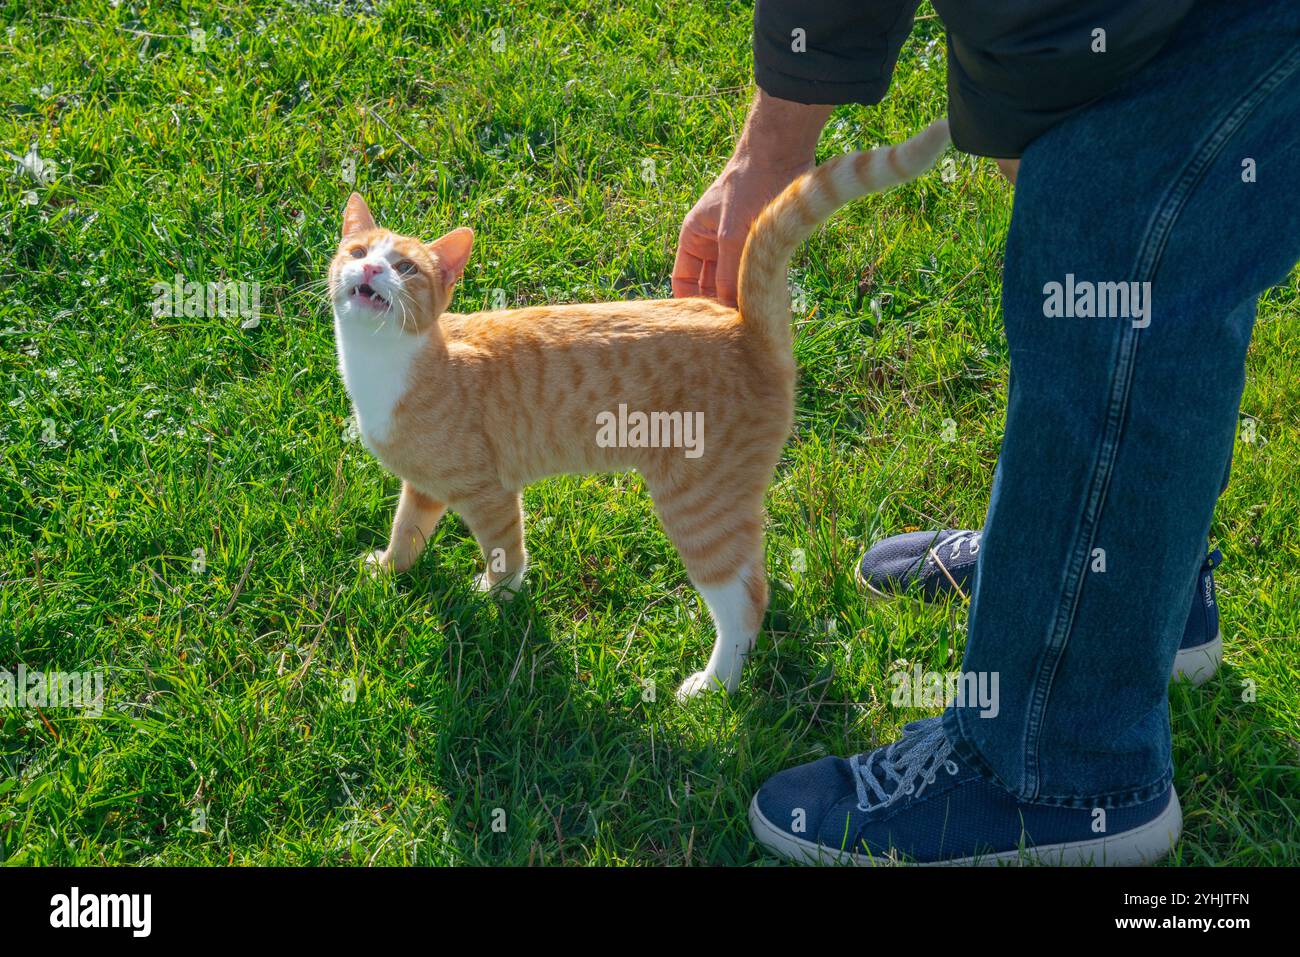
{"x":452,"y":253}
{"x":356,"y":216}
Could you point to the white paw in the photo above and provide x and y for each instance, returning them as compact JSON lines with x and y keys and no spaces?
{"x":377,"y":565}
{"x":698,"y":683}
{"x":505,"y":590}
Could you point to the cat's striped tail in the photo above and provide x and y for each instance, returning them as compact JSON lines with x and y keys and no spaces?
{"x":762,"y":292}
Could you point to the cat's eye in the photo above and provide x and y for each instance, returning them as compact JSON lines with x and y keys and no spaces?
{"x":406,"y":267}
{"x":358,"y":251}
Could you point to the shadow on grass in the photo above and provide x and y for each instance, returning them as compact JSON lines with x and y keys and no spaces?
{"x":544,"y":760}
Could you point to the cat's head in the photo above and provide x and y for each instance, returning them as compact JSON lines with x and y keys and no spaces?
{"x":380,"y":276}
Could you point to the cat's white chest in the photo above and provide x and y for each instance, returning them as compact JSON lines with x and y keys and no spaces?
{"x":376,"y":360}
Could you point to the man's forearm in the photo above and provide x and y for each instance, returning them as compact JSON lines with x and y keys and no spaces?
{"x":781,"y":134}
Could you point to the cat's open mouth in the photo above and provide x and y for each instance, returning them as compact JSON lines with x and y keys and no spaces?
{"x":366,"y":293}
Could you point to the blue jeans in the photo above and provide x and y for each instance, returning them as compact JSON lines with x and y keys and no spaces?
{"x":1120,"y":429}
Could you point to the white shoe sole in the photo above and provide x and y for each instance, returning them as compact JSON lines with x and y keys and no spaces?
{"x":1146,"y":844}
{"x":1198,"y":665}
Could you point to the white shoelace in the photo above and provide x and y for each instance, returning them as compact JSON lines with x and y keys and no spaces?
{"x":957,"y":540}
{"x":915,"y":765}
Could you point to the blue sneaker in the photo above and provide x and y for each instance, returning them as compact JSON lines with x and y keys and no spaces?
{"x":914,"y":802}
{"x":930,"y":565}
{"x":1201,"y":651}
{"x":937,"y":565}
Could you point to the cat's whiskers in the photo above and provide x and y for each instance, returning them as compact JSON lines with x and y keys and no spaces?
{"x":311,"y":285}
{"x":312,"y":290}
{"x":402,"y":301}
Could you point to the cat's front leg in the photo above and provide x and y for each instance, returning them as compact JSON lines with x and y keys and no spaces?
{"x":413,"y":524}
{"x":495,"y":516}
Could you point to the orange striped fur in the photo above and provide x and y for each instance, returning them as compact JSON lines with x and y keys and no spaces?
{"x":469,"y":408}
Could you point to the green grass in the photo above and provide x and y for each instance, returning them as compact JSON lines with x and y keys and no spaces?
{"x":176,"y":434}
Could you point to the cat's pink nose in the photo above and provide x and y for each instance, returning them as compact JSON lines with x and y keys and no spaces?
{"x":370,"y":270}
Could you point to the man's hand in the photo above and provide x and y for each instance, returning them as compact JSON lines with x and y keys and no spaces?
{"x":714,"y":232}
{"x":776,"y":146}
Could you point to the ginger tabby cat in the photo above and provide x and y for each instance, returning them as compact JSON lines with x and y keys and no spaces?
{"x":468,"y":409}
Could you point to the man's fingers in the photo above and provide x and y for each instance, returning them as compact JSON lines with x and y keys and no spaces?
{"x":727,"y":271}
{"x":708,"y":265}
{"x":694,"y":249}
{"x":707,"y":281}
{"x":686,"y":274}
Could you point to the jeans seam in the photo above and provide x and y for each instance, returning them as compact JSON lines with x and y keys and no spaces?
{"x":1150,"y":251}
{"x":1207,"y":152}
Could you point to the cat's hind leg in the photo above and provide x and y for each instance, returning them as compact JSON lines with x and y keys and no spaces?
{"x":719,"y":536}
{"x":495,"y":516}
{"x":416,"y":517}
{"x":737,"y":607}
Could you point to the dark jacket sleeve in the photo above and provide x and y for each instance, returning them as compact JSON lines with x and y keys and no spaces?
{"x":850,"y":47}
